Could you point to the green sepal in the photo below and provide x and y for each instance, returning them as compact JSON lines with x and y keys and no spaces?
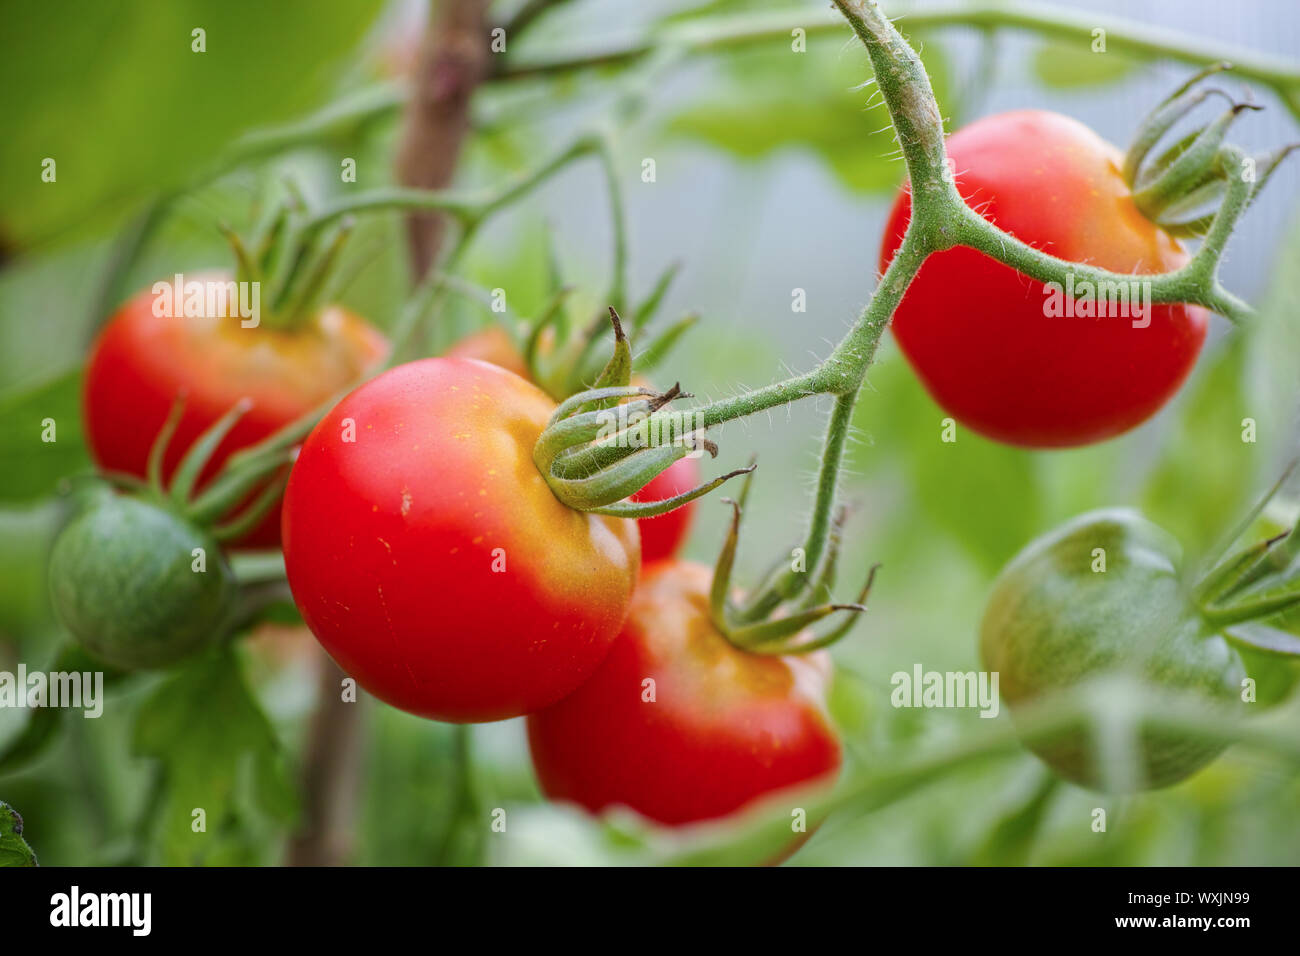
{"x":201,"y":452}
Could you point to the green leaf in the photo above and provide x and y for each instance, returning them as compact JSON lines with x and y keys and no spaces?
{"x":1206,"y":474}
{"x":142,"y":110}
{"x":43,"y":726}
{"x":14,"y":850}
{"x":1270,"y":370}
{"x":1062,"y":65}
{"x":40,"y":731}
{"x":1275,"y":675}
{"x":986,"y":495}
{"x":26,"y":534}
{"x":775,"y":99}
{"x":33,"y":465}
{"x":1012,"y":838}
{"x":210,"y":734}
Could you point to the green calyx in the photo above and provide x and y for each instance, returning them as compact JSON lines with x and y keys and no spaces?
{"x":264,"y":466}
{"x":1253,"y":594}
{"x":782,"y":627}
{"x":604,"y":443}
{"x":290,"y":261}
{"x":561,"y":354}
{"x":1180,"y":188}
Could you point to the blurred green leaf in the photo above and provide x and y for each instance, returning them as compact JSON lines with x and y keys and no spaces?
{"x":35,"y":738}
{"x":986,"y":495}
{"x":1275,"y":677}
{"x":14,"y":850}
{"x":206,"y":728}
{"x":422,"y":805}
{"x":1012,"y":838}
{"x":26,"y":534}
{"x":1061,"y":65}
{"x":34,"y":466}
{"x":1206,"y":474}
{"x":1270,"y":369}
{"x":43,"y":724}
{"x":114,"y":94}
{"x":775,"y":99}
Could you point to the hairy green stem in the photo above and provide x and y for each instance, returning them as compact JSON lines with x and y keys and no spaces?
{"x":788,"y":582}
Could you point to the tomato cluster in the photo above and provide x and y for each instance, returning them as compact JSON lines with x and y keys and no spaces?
{"x":434,"y":563}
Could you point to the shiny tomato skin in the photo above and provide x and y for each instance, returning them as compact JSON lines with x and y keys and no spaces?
{"x":140,"y":362}
{"x":975,"y":330}
{"x":663,"y":535}
{"x":725,"y":728}
{"x":430,"y":558}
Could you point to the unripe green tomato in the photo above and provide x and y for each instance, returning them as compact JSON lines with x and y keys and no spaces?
{"x":124,"y":579}
{"x":1053,"y":622}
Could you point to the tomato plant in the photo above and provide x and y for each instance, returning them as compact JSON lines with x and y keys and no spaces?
{"x":980,"y":335}
{"x":492,"y":533}
{"x":430,"y":558}
{"x":142,"y":362}
{"x":679,"y":724}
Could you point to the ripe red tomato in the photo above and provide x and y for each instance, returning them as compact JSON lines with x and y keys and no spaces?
{"x":724,"y":727}
{"x":976,"y":331}
{"x":662,"y":535}
{"x":430,"y":558}
{"x":141,"y":361}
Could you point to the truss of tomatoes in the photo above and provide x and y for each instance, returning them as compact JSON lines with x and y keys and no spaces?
{"x":432,"y":561}
{"x":429,"y":557}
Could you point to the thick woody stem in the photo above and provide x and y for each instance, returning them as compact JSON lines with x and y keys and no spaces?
{"x":453,"y":60}
{"x":331,"y":770}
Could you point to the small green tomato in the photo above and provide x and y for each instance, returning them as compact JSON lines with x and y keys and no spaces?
{"x":1102,"y":594}
{"x":137,"y":585}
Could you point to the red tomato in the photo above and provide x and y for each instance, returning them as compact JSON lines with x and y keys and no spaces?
{"x":976,"y":331}
{"x":494,"y":345}
{"x":430,"y":557}
{"x":661,"y":536}
{"x":141,"y":361}
{"x":725,"y":726}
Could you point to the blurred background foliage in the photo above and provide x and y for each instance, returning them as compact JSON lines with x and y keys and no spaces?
{"x":773,"y":174}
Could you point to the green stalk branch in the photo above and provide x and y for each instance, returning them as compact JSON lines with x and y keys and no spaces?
{"x":764,"y":832}
{"x":788,"y":582}
{"x":715,"y":34}
{"x":940,"y":219}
